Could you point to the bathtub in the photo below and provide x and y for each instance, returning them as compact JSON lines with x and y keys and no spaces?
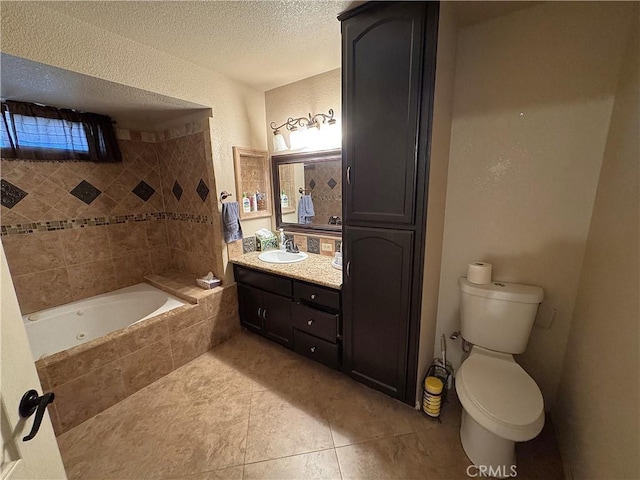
{"x":61,"y":328}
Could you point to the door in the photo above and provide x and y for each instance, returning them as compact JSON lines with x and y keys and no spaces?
{"x":382,"y":83}
{"x":376,"y":298}
{"x":250,"y":307}
{"x":39,"y":457}
{"x":277,"y":318}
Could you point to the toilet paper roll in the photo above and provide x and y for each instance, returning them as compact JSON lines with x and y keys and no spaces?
{"x":479,"y":273}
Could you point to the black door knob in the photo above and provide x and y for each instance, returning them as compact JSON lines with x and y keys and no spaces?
{"x":32,"y":402}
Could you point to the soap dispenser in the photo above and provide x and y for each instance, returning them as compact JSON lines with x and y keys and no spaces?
{"x":283,"y":240}
{"x":337,"y":259}
{"x":246,"y":204}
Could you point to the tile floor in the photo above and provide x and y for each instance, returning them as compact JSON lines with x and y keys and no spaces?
{"x":250,"y":409}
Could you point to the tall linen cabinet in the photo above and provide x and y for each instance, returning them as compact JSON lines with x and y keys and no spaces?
{"x":388,"y":74}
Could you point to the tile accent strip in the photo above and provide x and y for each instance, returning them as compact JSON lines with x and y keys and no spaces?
{"x":26,"y":228}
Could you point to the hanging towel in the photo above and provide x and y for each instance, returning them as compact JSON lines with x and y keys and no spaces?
{"x":305,"y":210}
{"x":231,"y":228}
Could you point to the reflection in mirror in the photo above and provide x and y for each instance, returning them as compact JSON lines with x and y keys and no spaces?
{"x":309,"y":186}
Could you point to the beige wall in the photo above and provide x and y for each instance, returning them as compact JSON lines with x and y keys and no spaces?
{"x":33,"y":31}
{"x":439,"y":164}
{"x":312,"y":95}
{"x":533,"y":97}
{"x":598,"y":411}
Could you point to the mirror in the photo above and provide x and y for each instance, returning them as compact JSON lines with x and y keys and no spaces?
{"x":308,"y":191}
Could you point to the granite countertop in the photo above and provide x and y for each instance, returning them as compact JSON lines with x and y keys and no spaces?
{"x":315,"y":269}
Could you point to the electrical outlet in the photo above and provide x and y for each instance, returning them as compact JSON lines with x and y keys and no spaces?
{"x":326,"y":247}
{"x":545,"y":316}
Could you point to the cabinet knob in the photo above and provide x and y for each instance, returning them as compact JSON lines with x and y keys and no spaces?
{"x":313,"y":349}
{"x":259,"y":312}
{"x":309,"y":322}
{"x":313,"y":296}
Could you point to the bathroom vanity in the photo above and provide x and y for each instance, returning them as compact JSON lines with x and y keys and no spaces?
{"x":295,"y":304}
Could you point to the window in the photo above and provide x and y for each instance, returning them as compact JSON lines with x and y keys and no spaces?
{"x":36,"y":132}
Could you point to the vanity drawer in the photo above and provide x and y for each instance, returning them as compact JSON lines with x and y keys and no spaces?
{"x":315,"y":348}
{"x":264,"y":281}
{"x":315,"y":322}
{"x":325,"y":297}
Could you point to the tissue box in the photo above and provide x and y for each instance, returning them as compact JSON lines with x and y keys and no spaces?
{"x":266,"y":240}
{"x":262,"y":245}
{"x":207,"y":284}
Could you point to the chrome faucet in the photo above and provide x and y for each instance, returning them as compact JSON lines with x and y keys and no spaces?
{"x":290,"y":246}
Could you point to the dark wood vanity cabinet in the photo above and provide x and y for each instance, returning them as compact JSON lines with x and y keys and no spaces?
{"x":302,"y":316}
{"x":264,"y":304}
{"x":316,"y":321}
{"x":377,"y":307}
{"x":388,"y":73}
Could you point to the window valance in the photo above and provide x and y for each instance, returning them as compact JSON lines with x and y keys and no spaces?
{"x":29,"y":131}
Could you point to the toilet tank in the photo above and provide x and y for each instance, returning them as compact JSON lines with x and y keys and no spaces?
{"x":499,"y":315}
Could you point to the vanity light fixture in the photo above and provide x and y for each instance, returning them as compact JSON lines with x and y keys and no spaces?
{"x":304,"y":132}
{"x":279,"y":143}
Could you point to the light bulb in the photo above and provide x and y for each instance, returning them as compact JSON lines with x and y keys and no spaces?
{"x":279,"y":143}
{"x":297,"y":139}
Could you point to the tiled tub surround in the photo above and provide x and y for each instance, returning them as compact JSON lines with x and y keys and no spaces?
{"x":186,"y":169}
{"x":89,"y":378}
{"x":58,"y":267}
{"x":84,"y":228}
{"x":83,"y":190}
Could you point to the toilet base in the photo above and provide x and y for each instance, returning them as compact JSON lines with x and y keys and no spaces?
{"x":493,"y":455}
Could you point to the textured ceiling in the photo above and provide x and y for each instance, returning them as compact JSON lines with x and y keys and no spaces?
{"x":265,"y":44}
{"x":28,"y":81}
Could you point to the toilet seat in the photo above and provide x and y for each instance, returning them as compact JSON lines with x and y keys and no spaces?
{"x":500,"y":395}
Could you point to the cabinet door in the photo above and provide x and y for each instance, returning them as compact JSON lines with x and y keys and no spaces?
{"x":382,"y":82}
{"x":376,"y":299}
{"x":250,"y":306}
{"x":277,"y":318}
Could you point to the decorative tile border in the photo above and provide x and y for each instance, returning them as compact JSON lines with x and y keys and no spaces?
{"x":26,"y":228}
{"x":188,"y":217}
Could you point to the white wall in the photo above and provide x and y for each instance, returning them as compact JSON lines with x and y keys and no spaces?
{"x":533,"y":97}
{"x":598,"y":411}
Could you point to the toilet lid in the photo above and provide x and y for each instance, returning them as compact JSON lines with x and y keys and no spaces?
{"x":501,"y":389}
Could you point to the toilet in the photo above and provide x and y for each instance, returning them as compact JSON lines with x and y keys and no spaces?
{"x":501,"y":403}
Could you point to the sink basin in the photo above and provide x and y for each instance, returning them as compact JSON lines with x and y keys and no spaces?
{"x":278,"y":256}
